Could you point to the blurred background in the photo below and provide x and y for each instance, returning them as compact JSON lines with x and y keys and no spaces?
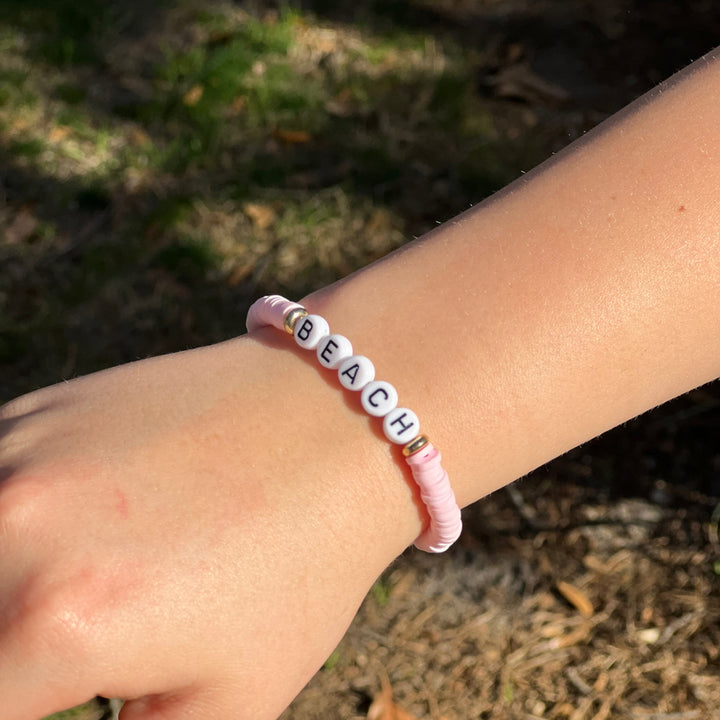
{"x":163,"y":164}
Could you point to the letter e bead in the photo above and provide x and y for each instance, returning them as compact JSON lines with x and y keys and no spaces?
{"x":332,"y":350}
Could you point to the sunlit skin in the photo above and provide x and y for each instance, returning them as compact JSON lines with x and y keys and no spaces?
{"x":195,"y":532}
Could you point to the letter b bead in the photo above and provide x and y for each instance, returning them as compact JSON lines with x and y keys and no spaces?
{"x":310,"y":330}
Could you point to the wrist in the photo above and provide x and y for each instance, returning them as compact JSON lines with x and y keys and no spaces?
{"x":379,"y":399}
{"x":361,"y":492}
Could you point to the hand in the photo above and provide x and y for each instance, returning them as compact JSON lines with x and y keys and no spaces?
{"x":187,"y":532}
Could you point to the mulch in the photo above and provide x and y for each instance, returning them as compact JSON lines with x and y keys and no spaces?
{"x":555,"y":604}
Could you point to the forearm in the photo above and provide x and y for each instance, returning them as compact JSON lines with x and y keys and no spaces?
{"x":583,"y":295}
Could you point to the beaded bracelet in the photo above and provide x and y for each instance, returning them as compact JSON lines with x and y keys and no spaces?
{"x":379,"y":399}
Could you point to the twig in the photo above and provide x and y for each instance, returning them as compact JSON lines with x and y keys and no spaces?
{"x":687,"y":715}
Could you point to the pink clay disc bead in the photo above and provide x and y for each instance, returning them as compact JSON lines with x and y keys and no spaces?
{"x":401,"y":425}
{"x":270,"y":310}
{"x":333,"y":349}
{"x":378,"y":398}
{"x":310,"y":330}
{"x":356,"y":372}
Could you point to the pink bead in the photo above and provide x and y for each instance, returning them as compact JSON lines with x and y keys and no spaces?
{"x":269,"y":310}
{"x":437,"y":494}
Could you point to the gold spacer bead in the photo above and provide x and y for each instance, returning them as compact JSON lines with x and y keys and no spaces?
{"x":415,"y":445}
{"x":292,"y":317}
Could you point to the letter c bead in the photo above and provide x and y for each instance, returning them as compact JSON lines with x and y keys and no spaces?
{"x":378,"y":398}
{"x":310,"y":330}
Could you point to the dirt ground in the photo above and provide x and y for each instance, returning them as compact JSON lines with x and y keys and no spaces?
{"x":590,"y":590}
{"x":557,"y":603}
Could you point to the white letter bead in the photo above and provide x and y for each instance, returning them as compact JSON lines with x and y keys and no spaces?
{"x":356,"y":372}
{"x":332,"y":350}
{"x":401,"y":426}
{"x":310,"y":330}
{"x":378,"y":398}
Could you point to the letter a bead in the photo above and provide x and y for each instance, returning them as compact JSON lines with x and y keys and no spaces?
{"x":356,"y":372}
{"x":310,"y":330}
{"x":401,"y":425}
{"x":378,"y":398}
{"x":333,"y":349}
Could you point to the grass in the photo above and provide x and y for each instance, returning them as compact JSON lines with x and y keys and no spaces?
{"x":89,"y":711}
{"x":381,"y":591}
{"x":237,"y":81}
{"x":62,"y":33}
{"x":138,"y":188}
{"x":32,"y":148}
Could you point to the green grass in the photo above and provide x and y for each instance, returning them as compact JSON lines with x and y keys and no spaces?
{"x":89,"y":711}
{"x":141,"y":196}
{"x":240,"y":84}
{"x":333,"y":660}
{"x":31,"y":148}
{"x":381,"y":591}
{"x":70,"y":93}
{"x":60,"y":33}
{"x":187,"y":258}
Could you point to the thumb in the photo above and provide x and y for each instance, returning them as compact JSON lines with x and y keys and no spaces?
{"x":32,"y":681}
